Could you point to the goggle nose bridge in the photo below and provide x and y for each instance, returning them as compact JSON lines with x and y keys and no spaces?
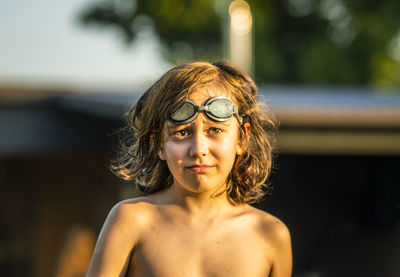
{"x":202,"y":108}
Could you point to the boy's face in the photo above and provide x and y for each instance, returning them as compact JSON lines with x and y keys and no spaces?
{"x":200,"y":154}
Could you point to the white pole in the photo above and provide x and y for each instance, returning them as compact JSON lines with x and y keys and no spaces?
{"x":240,"y":35}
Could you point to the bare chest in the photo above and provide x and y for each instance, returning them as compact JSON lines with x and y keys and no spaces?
{"x":168,"y":250}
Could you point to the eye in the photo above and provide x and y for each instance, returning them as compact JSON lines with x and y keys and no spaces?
{"x":181,"y":133}
{"x":215,"y":131}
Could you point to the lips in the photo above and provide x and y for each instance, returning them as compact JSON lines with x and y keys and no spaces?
{"x":200,"y":168}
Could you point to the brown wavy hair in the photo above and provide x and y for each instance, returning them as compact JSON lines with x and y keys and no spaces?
{"x":140,"y":144}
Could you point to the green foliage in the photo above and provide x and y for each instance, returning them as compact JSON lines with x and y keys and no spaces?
{"x":317,"y":42}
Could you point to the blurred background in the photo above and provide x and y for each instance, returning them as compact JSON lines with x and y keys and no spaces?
{"x":330,"y":69}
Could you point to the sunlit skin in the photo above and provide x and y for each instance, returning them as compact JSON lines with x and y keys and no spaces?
{"x":191,"y":229}
{"x":200,"y":155}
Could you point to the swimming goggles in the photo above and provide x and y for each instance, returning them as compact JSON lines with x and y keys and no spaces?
{"x":217,"y":108}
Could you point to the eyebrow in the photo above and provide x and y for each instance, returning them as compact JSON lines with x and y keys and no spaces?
{"x":223,"y":123}
{"x":171,"y":125}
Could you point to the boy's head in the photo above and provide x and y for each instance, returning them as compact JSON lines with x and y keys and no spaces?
{"x":148,"y":117}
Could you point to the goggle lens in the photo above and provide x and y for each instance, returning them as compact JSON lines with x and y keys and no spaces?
{"x":221,"y":108}
{"x":184,"y":112}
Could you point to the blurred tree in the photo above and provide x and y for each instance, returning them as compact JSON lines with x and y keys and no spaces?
{"x":313,"y":42}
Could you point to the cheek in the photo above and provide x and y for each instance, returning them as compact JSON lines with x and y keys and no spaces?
{"x":174,"y":153}
{"x":227,"y":149}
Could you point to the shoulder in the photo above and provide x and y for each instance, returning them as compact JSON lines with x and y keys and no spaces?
{"x":276,"y":235}
{"x":135,"y":211}
{"x":128,"y":220}
{"x":271,"y":228}
{"x":121,"y":231}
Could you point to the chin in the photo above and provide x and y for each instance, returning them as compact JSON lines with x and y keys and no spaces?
{"x":202,"y":187}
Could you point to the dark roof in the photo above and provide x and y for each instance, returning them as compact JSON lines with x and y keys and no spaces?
{"x":351,"y":107}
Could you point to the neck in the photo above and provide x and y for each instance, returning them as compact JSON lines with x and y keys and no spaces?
{"x":194,"y":203}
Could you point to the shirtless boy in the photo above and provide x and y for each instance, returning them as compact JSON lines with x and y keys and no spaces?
{"x":200,"y":149}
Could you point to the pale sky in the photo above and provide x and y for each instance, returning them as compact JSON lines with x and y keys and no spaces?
{"x":42,"y":43}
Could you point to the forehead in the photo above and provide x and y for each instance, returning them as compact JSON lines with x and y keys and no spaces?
{"x":201,"y":96}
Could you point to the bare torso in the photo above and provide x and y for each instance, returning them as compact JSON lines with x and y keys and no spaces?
{"x":158,"y":239}
{"x":171,"y":245}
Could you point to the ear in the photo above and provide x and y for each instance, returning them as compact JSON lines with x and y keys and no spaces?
{"x":242,"y":144}
{"x":161,"y":154}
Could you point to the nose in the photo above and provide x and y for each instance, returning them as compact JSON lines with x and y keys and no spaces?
{"x":199,"y":145}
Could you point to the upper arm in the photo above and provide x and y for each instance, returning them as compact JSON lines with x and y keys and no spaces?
{"x":282,"y":248}
{"x":115,"y":243}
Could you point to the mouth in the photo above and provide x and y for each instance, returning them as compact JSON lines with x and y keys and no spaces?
{"x":200,"y":168}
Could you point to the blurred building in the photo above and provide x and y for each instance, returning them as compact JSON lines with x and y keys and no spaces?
{"x":336,"y":181}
